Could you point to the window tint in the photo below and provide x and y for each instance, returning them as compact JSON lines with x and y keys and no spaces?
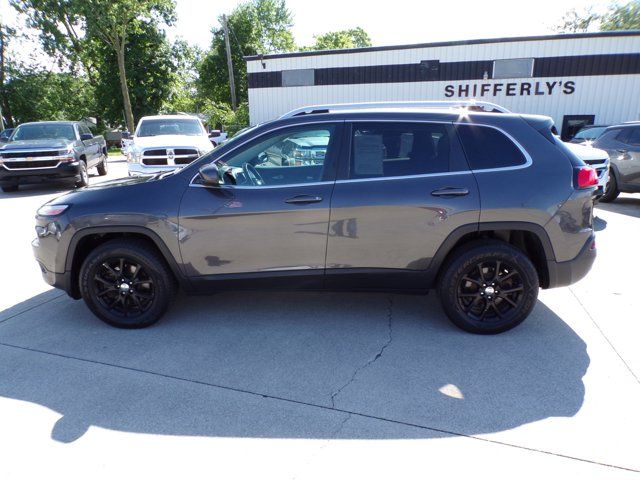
{"x":399,"y":149}
{"x":285,"y":157}
{"x":486,"y":147}
{"x":623,"y":136}
{"x":634,"y":137}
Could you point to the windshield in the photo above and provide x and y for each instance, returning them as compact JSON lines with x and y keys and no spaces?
{"x":44,"y":131}
{"x":169,"y":126}
{"x":589,"y":133}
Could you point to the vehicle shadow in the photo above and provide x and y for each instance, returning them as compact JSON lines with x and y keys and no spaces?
{"x":273,"y":364}
{"x":623,"y":205}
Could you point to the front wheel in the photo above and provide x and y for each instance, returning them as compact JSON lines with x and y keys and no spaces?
{"x":127,"y":284}
{"x":488,"y":287}
{"x":84,"y":175}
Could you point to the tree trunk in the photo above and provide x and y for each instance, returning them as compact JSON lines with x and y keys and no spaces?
{"x":128,"y":112}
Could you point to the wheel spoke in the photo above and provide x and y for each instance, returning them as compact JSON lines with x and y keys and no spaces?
{"x":497,"y":271}
{"x":473,"y":304}
{"x":107,"y":290}
{"x":121,"y":266}
{"x":140,"y":282}
{"x":485,"y":309}
{"x":508,"y":275}
{"x":481,"y":272}
{"x":496,"y":309}
{"x":507,"y":299}
{"x":110,"y":269}
{"x":469,"y":279}
{"x":464,"y":295}
{"x":135,"y":274}
{"x":98,"y":278}
{"x":512,"y":290}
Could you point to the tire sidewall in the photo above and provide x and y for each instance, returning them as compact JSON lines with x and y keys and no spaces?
{"x":456,"y":269}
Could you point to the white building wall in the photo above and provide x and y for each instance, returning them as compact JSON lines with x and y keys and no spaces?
{"x":611,"y":98}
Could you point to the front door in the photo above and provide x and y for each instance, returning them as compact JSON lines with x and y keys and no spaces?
{"x":406,"y":188}
{"x":270,"y":217}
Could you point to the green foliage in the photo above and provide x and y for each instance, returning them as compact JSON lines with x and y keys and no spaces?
{"x":40,"y":95}
{"x":256,"y":26}
{"x":625,"y":16}
{"x":220,"y":115}
{"x":151,"y":71}
{"x":353,"y":38}
{"x":622,"y":17}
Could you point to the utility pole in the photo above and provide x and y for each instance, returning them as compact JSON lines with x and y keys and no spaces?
{"x":232,"y":83}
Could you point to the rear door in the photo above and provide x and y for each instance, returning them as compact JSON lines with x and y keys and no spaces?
{"x":403,"y":188}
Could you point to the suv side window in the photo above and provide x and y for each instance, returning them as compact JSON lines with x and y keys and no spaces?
{"x":284,"y":157}
{"x":386,"y":149}
{"x":634,"y":137}
{"x":486,"y":147}
{"x":623,"y":135}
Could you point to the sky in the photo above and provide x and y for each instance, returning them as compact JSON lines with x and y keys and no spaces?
{"x":391,"y":22}
{"x":395,"y":22}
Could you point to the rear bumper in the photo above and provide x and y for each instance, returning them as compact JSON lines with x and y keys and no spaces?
{"x":562,"y":274}
{"x":63,"y":170}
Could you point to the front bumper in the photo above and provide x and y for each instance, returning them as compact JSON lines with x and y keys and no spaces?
{"x":66,"y":170}
{"x":140,"y":169}
{"x":562,"y":274}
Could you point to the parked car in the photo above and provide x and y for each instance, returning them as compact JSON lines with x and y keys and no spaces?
{"x":587,"y":134}
{"x":217,"y":137}
{"x":622,"y":143}
{"x":163,"y":143}
{"x":486,"y":208}
{"x":596,"y":158}
{"x":5,"y":134}
{"x":44,"y":151}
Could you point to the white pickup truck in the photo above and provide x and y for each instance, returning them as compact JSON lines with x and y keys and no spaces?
{"x":165,"y":142}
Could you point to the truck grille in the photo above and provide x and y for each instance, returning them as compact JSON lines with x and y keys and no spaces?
{"x":169,"y":156}
{"x":39,"y":153}
{"x":22,"y":165}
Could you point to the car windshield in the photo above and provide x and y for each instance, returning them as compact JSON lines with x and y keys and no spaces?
{"x":169,"y":126}
{"x":589,"y":133}
{"x":44,"y":131}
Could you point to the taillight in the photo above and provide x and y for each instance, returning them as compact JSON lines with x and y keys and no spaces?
{"x":586,"y":177}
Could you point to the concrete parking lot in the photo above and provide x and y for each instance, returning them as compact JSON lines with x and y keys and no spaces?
{"x":302,"y":385}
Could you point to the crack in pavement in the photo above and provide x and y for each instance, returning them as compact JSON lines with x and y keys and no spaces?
{"x":28,"y":309}
{"x":374,"y":359}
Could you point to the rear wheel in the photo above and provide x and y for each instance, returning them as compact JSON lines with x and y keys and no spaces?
{"x":103,"y":167}
{"x":611,"y":190}
{"x":127,"y":284}
{"x":488,"y":287}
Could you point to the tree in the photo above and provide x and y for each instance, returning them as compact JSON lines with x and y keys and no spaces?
{"x":6,"y":33}
{"x":256,"y":26}
{"x":150,"y":61}
{"x":353,"y":38}
{"x":616,"y":17}
{"x":114,"y":22}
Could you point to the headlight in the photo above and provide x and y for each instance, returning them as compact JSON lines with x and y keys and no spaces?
{"x":66,"y":151}
{"x":52,"y":210}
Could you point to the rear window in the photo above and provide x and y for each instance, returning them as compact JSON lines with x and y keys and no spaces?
{"x":486,"y":147}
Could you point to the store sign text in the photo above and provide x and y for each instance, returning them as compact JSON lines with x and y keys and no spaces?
{"x":510,"y":89}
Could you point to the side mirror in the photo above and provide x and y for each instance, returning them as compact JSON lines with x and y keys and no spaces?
{"x":126,"y":135}
{"x":210,"y":175}
{"x":86,"y":136}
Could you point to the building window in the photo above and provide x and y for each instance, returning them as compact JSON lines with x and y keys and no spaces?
{"x":298,"y":78}
{"x":513,"y":68}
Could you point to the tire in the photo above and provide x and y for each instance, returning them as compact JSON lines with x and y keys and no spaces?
{"x":482,"y":307}
{"x":84,"y":175}
{"x":103,"y":167}
{"x":151,"y":286}
{"x":611,"y":190}
{"x":10,"y":188}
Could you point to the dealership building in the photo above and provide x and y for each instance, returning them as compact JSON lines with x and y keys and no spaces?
{"x":578,"y":79}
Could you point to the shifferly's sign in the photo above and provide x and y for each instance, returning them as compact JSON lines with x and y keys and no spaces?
{"x":510,"y":89}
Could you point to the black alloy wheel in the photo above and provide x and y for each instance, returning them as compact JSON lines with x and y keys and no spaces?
{"x":123,"y":287}
{"x":488,"y":287}
{"x":490,"y":290}
{"x":127,"y":283}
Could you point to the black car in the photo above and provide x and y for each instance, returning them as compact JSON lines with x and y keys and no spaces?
{"x":622,"y":143}
{"x":486,"y":208}
{"x":44,"y":151}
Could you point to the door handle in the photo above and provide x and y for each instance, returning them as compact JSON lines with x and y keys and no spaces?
{"x":302,"y":199}
{"x":450,"y":192}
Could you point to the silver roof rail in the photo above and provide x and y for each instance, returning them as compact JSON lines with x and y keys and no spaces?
{"x":335,"y":107}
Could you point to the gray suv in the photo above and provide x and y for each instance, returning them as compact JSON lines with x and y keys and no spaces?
{"x":486,"y":208}
{"x":622,"y":143}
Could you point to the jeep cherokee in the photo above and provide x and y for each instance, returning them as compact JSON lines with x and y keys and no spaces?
{"x":486,"y":208}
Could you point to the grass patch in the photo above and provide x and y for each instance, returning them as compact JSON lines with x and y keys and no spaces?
{"x":114,"y":152}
